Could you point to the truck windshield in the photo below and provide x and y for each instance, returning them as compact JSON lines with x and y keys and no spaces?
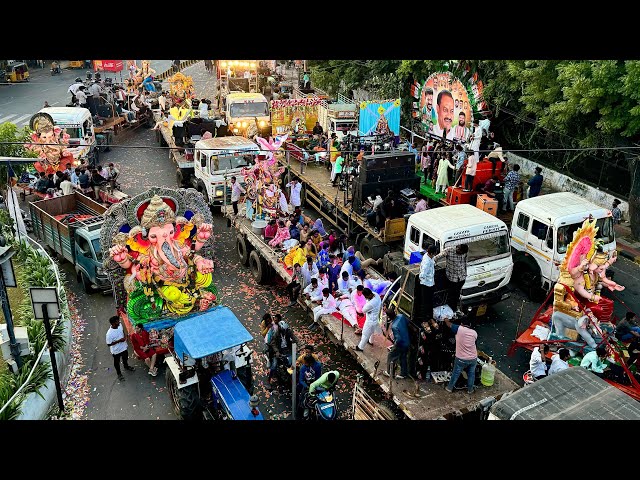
{"x":481,"y":247}
{"x":96,"y":248}
{"x":255,"y":109}
{"x":74,"y":132}
{"x":224,"y":163}
{"x":605,"y":233}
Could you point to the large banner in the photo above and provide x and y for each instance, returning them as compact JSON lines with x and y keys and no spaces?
{"x":108,"y":65}
{"x":286,"y":114}
{"x":380,"y":117}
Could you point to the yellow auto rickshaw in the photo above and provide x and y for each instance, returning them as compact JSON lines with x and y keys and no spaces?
{"x":17,"y":72}
{"x":76,"y":64}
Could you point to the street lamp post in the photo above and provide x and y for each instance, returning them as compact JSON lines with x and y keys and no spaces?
{"x":45,"y":306}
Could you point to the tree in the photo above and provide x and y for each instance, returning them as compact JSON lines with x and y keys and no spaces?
{"x":9,"y":135}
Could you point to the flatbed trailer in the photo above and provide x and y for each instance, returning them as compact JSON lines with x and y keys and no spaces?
{"x":428,"y":402}
{"x":176,"y":154}
{"x":336,"y":207}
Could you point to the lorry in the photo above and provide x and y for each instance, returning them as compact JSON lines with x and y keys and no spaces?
{"x":247,"y":114}
{"x":216,"y":161}
{"x":340,"y":118}
{"x":489,"y":262}
{"x":70,"y":227}
{"x":78,"y":123}
{"x":541,"y":230}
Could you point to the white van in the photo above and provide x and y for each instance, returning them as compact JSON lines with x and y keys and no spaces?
{"x":543,"y":227}
{"x":220,"y":158}
{"x":79,"y":125}
{"x":489,"y":263}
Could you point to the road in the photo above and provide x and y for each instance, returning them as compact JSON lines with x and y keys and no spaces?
{"x":141,"y":396}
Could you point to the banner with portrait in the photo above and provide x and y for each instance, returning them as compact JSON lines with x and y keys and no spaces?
{"x":444,"y":107}
{"x":380,"y":117}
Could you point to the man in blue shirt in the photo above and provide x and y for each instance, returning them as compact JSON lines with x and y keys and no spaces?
{"x":535,"y":184}
{"x":427,"y":284}
{"x":400,"y":329}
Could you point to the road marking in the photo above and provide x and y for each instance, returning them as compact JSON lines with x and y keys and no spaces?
{"x":4,"y":119}
{"x":57,"y":103}
{"x":20,"y":119}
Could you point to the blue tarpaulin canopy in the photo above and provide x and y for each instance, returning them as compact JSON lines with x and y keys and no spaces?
{"x":210,"y":332}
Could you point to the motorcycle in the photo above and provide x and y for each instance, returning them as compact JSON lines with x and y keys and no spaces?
{"x":55,"y":71}
{"x":319,"y":406}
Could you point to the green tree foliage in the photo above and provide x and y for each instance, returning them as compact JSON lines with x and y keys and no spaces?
{"x":9,"y":134}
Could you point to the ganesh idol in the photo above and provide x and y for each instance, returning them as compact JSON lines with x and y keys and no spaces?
{"x":164,"y":272}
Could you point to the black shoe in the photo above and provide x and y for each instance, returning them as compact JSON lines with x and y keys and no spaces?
{"x":358,"y":349}
{"x":121,"y":377}
{"x":130,"y":368}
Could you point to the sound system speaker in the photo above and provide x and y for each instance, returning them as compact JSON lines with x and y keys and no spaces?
{"x":391,"y":173}
{"x":105,"y":111}
{"x":383,"y":161}
{"x":363,"y":190}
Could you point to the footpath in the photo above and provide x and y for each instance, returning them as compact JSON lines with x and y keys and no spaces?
{"x":627,"y":246}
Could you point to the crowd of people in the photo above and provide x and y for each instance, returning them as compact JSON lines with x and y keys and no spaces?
{"x":83,"y":178}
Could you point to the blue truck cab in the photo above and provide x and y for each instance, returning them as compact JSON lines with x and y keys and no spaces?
{"x":198,"y":384}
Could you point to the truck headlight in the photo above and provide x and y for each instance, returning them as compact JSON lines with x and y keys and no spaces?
{"x":219,"y":192}
{"x":262,"y":123}
{"x":235,"y":130}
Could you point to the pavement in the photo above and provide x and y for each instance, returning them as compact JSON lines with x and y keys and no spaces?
{"x":626,"y":245}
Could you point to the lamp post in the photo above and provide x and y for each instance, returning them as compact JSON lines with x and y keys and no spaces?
{"x":46,"y":305}
{"x":7,"y":279}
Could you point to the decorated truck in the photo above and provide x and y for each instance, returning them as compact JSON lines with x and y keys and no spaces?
{"x":160,"y":265}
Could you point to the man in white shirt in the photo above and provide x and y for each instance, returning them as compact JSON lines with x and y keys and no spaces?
{"x":73,"y":89}
{"x":559,"y":361}
{"x":371,"y":310}
{"x":117,"y":343}
{"x":348,"y":266}
{"x":323,"y":279}
{"x":236,"y":191}
{"x":313,"y":291}
{"x":296,"y":188}
{"x":427,"y":283}
{"x":82,"y":97}
{"x":66,"y":186}
{"x":537,"y":363}
{"x":327,"y":305}
{"x":308,"y":270}
{"x":95,"y":90}
{"x":445,"y":109}
{"x":345,"y":283}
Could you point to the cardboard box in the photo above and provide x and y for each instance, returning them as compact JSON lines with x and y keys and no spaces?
{"x":487,"y":204}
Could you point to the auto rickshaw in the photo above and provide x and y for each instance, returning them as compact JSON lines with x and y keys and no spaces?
{"x":76,"y":64}
{"x":17,"y":72}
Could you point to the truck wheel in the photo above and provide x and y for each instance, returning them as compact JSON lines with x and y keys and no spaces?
{"x":387,"y":410}
{"x":179,"y":178}
{"x":258,"y":268}
{"x":373,"y":248}
{"x":86,"y":284}
{"x":242,"y":249}
{"x":186,"y":402}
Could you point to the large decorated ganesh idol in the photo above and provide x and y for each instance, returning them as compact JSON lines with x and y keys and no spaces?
{"x":50,"y":143}
{"x":583,"y":272}
{"x":159,"y":253}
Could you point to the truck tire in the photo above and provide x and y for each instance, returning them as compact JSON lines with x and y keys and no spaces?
{"x":387,"y":409}
{"x":259,"y":268}
{"x":179,"y":178}
{"x":203,"y":190}
{"x":86,"y":284}
{"x":186,"y":402}
{"x":242,"y":247}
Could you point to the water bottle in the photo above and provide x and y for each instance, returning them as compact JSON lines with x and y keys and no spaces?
{"x":488,"y":373}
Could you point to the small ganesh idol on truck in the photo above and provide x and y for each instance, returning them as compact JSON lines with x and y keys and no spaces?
{"x":159,"y":258}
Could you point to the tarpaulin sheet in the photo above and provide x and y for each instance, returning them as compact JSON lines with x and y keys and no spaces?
{"x":572,"y":394}
{"x":211,"y":332}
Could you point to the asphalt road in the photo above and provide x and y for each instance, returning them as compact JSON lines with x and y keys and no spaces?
{"x":141,"y":396}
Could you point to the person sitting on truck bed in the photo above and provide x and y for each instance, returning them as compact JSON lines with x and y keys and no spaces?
{"x":295,"y":285}
{"x":270,"y":230}
{"x":43,"y":183}
{"x":305,"y":233}
{"x":313,"y":290}
{"x":317,"y":129}
{"x":281,"y":235}
{"x":323,"y":255}
{"x":144,"y":349}
{"x":309,"y":269}
{"x":83,"y":179}
{"x":97,"y":181}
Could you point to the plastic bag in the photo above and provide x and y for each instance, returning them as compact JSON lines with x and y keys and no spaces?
{"x":442,"y":312}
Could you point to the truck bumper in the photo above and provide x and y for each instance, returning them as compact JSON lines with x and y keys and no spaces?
{"x":103,"y":283}
{"x":477,"y":306}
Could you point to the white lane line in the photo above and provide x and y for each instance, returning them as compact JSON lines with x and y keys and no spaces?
{"x":5,"y":119}
{"x":56,"y":103}
{"x":20,"y":119}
